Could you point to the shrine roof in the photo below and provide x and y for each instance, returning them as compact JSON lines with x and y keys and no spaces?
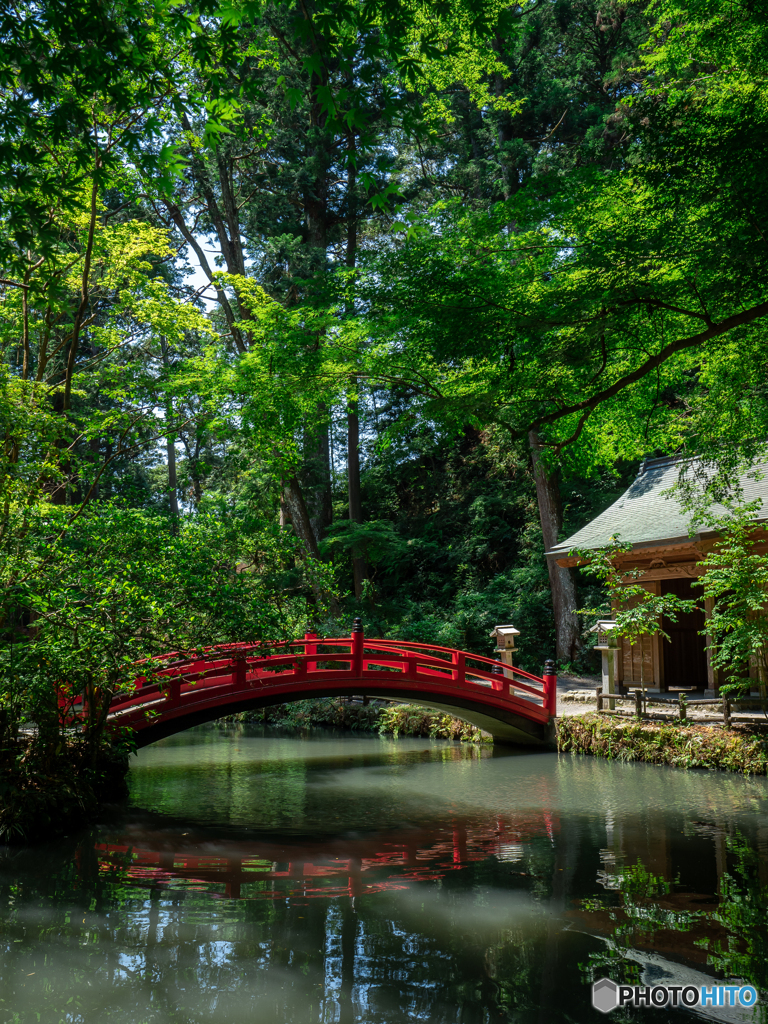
{"x":645,"y":516}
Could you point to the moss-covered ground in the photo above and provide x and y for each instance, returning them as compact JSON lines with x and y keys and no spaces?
{"x":742,"y":748}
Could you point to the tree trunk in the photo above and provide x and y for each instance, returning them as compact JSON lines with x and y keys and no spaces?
{"x":283,"y":515}
{"x":297,"y":510}
{"x":359,"y":568}
{"x":317,"y":475}
{"x":229,"y":314}
{"x":317,"y":182}
{"x":359,"y":565}
{"x":226,"y":224}
{"x":292,"y":504}
{"x":561,"y":581}
{"x":172,"y":482}
{"x":170,"y":442}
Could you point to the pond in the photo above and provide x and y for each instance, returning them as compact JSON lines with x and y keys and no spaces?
{"x":263,"y":877}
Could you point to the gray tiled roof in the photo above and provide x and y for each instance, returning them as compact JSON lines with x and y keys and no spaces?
{"x":643,"y":515}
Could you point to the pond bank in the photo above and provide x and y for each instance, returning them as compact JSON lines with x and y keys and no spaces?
{"x":375,"y":716}
{"x":742,"y":748}
{"x":48,"y":794}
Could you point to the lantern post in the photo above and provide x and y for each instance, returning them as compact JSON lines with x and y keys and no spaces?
{"x":505,"y":648}
{"x":607,"y":644}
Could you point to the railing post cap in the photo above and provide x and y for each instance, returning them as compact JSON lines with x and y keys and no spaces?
{"x":357,"y":625}
{"x":549,"y":667}
{"x":497,"y":670}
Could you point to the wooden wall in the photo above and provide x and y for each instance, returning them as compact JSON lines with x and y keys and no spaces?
{"x":637,"y":663}
{"x":641,"y":662}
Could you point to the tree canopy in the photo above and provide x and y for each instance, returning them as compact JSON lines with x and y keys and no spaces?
{"x":310,"y":308}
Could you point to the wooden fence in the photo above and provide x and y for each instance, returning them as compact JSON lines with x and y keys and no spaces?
{"x":728,"y":705}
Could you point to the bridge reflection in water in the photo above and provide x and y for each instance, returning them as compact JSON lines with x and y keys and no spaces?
{"x":350,"y":867}
{"x":395,"y":885}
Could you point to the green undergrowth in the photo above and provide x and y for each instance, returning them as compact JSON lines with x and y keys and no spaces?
{"x":740,"y":749}
{"x":411,"y":720}
{"x":47,"y":793}
{"x":377,"y":716}
{"x":332,"y":712}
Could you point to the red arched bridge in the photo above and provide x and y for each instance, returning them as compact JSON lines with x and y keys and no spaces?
{"x":513,"y":705}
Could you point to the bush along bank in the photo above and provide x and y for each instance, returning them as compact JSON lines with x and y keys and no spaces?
{"x":376,"y":716}
{"x":46,"y":794}
{"x":412,"y":720}
{"x":739,"y":749}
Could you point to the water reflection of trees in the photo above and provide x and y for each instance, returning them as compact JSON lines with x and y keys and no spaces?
{"x":646,"y":910}
{"x":479,"y":922}
{"x":79,"y":934}
{"x":743,"y":913}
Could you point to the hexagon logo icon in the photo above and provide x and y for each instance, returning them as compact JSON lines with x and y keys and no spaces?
{"x":605,"y":995}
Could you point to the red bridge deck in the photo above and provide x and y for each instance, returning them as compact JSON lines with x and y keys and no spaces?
{"x":511,"y":704}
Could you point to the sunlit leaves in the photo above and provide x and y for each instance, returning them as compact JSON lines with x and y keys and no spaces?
{"x":117,"y":585}
{"x":735,"y":581}
{"x":597,"y":296}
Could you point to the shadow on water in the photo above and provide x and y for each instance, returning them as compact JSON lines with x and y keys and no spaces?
{"x":260,"y":876}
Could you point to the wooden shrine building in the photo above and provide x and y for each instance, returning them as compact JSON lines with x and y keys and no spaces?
{"x":666,"y":549}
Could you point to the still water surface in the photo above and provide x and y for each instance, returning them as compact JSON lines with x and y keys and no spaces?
{"x":267,"y":878}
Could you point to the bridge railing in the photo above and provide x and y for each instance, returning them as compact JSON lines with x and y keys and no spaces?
{"x":261,"y":665}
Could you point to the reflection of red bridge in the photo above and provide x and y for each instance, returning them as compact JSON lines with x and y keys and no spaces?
{"x":507,"y":702}
{"x":273,"y":870}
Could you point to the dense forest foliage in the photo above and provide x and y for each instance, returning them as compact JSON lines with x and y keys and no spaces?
{"x":321,"y":309}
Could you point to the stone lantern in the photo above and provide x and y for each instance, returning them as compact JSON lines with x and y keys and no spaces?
{"x":505,"y":646}
{"x":608,"y":645}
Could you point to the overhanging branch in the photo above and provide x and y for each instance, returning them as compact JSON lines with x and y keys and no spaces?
{"x":588,"y":406}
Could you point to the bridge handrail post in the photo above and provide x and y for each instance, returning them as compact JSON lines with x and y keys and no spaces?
{"x":240,"y":671}
{"x":357,"y":647}
{"x":497,"y":670}
{"x":550,"y":688}
{"x":173,"y":693}
{"x":310,"y":649}
{"x":458,"y":667}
